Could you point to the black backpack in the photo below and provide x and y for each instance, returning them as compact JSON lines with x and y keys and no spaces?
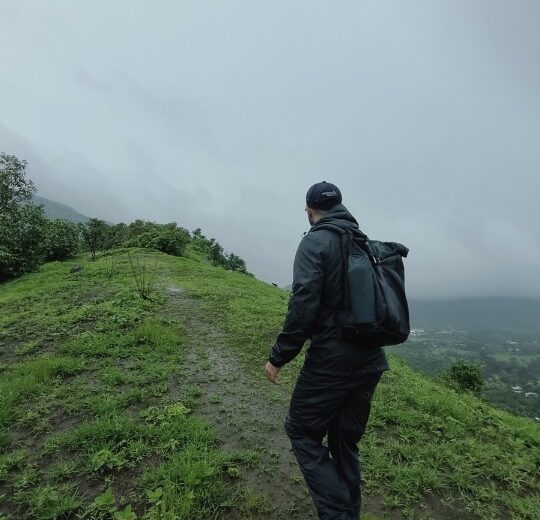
{"x":374,"y":309}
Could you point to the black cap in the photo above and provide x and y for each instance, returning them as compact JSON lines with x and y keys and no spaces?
{"x":323,"y":195}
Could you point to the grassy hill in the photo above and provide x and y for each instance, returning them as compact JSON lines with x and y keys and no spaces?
{"x":112,"y":406}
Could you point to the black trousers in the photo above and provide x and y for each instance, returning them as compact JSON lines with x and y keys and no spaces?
{"x":336,"y":406}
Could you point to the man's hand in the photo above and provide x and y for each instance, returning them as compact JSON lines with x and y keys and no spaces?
{"x":271,"y":372}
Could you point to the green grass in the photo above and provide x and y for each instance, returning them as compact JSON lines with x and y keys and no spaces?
{"x":88,"y":424}
{"x":424,"y":438}
{"x":85,"y":407}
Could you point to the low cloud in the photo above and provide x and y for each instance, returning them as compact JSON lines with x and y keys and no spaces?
{"x":221,"y":116}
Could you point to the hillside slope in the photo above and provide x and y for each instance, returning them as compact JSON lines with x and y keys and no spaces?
{"x":55,"y":209}
{"x":110,"y":404}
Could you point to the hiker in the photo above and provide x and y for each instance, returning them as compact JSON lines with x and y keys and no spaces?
{"x":335,"y":386}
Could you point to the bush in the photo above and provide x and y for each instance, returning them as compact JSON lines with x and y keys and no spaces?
{"x":61,"y":239}
{"x":117,"y":234}
{"x":15,"y":188}
{"x":172,"y":241}
{"x":21,"y":241}
{"x":215,"y":253}
{"x":235,"y":263}
{"x":21,"y":223}
{"x":465,"y":376}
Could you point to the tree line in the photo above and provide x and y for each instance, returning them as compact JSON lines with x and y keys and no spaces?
{"x":28,"y":238}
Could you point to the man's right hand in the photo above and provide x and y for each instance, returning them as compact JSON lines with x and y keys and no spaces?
{"x":271,"y":372}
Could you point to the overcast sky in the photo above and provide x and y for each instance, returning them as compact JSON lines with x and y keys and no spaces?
{"x":220,"y":115}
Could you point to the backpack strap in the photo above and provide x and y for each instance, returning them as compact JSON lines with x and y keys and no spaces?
{"x":346,"y":238}
{"x":363,"y":243}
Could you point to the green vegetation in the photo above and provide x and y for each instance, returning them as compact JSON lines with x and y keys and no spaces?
{"x":94,"y":234}
{"x":143,"y":273}
{"x":426,"y":440}
{"x":21,"y":224}
{"x":88,"y":423}
{"x":170,"y":240}
{"x":464,"y":375}
{"x":28,"y":238}
{"x":93,"y":423}
{"x":214,"y":252}
{"x":61,"y":240}
{"x":509,"y":362}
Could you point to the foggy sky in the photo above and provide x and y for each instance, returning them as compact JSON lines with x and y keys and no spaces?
{"x":220,"y":115}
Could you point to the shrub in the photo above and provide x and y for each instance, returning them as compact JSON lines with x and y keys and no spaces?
{"x":465,"y":376}
{"x":215,"y":253}
{"x":235,"y":263}
{"x":143,"y":275}
{"x":21,"y":223}
{"x":61,"y":239}
{"x":172,"y":241}
{"x":15,"y":188}
{"x":21,"y":241}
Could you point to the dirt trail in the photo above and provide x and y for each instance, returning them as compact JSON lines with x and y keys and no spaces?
{"x":246,"y":410}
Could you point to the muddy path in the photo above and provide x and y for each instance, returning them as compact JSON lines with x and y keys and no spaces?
{"x":245,"y":409}
{"x":248,"y":413}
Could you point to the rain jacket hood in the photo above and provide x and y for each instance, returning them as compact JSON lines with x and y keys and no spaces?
{"x":341,"y":217}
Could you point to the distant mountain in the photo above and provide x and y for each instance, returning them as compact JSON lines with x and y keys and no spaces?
{"x":477,"y":314}
{"x":56,"y":210}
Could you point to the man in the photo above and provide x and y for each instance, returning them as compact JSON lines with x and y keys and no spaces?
{"x":335,"y":386}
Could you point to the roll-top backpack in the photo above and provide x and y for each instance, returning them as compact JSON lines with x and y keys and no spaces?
{"x":374,"y":309}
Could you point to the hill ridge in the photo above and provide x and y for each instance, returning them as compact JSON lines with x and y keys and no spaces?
{"x":91,"y":371}
{"x":59,"y":210}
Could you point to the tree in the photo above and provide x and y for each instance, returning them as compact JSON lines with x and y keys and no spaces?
{"x":138,"y":227}
{"x":22,"y":224}
{"x":215,"y":253}
{"x":21,"y":240}
{"x":199,"y":241}
{"x":94,"y":234}
{"x":235,"y":263}
{"x":15,"y":188}
{"x":62,"y":239}
{"x":466,"y":376}
{"x":118,"y":234}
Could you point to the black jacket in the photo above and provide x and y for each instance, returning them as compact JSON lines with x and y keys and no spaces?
{"x":316,"y":292}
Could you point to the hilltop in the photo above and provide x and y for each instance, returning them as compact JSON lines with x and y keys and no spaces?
{"x":114,"y":406}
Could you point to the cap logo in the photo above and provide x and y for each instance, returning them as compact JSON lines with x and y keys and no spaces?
{"x":329,"y":193}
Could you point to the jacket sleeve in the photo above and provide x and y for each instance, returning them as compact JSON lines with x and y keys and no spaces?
{"x":304,"y":303}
